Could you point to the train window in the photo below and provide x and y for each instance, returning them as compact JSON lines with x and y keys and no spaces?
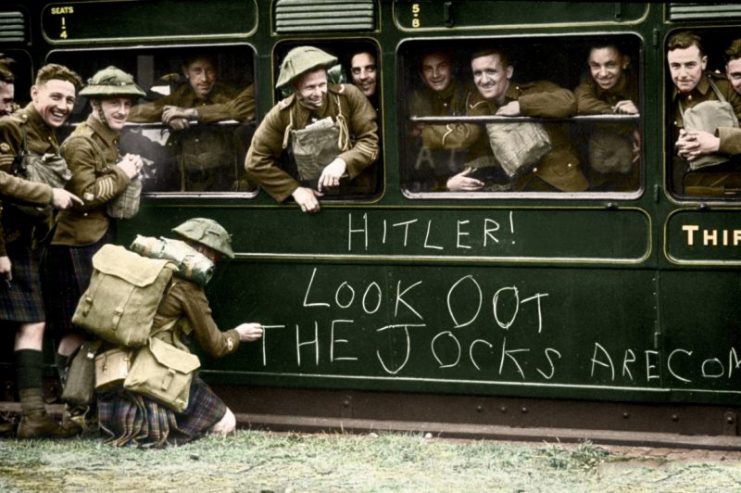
{"x":346,"y":123}
{"x":703,"y":101}
{"x":559,"y":117}
{"x":15,"y":80}
{"x":196,"y":122}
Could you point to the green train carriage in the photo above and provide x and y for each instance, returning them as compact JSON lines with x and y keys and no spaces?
{"x":607,"y":309}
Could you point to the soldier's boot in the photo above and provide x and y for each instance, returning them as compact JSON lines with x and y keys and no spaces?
{"x":36,"y":423}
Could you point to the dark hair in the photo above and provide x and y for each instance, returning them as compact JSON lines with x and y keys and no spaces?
{"x":52,"y":71}
{"x":442,"y":53}
{"x":6,"y":75}
{"x":683,"y":40}
{"x":491,"y":51}
{"x":734,"y":51}
{"x":200,"y":56}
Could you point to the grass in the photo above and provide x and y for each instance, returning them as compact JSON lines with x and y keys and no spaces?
{"x":256,"y":461}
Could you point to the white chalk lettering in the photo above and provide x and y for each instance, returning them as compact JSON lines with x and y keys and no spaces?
{"x":548,"y":351}
{"x":400,"y":299}
{"x":350,"y":295}
{"x":489,"y":230}
{"x":334,"y":341}
{"x":629,"y":357}
{"x":308,"y":288}
{"x":649,"y":366}
{"x":408,"y":346}
{"x":496,"y":304}
{"x":537,"y":297}
{"x":379,"y":298}
{"x":733,"y":361}
{"x":264,"y":340}
{"x":427,"y":238}
{"x":406,"y":225}
{"x":363,"y":230}
{"x":313,"y":342}
{"x":606,"y":364}
{"x":712,"y":361}
{"x":670,"y":368}
{"x":461,"y":234}
{"x":509,"y":353}
{"x":478,"y":295}
{"x":470,"y":351}
{"x":457,"y":345}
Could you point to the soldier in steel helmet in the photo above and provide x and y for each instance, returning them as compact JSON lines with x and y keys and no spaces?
{"x":99,"y":174}
{"x":124,"y":416}
{"x":28,"y":136}
{"x":347,"y":113}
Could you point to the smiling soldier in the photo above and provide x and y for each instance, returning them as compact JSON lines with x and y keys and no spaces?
{"x":99,"y":175}
{"x":29,"y":137}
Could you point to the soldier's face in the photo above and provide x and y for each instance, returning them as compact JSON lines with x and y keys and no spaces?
{"x":54,"y":100}
{"x":436,"y":71}
{"x":202,"y":76}
{"x":364,"y":75}
{"x":686,"y":66}
{"x":606,"y":66}
{"x":491,"y":77}
{"x":733,"y":72}
{"x":115,"y":111}
{"x":312,"y":88}
{"x":7,"y":95}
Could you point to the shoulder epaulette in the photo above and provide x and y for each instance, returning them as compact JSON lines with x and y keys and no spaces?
{"x":286,"y":102}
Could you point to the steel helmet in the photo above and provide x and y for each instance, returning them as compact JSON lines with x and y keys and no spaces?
{"x":300,"y":60}
{"x":111,"y":81}
{"x":207,"y":232}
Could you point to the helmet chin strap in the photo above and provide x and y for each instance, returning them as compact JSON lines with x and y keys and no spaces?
{"x":98,"y":107}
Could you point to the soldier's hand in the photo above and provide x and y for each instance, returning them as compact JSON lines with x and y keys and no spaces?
{"x":6,"y":271}
{"x":332,"y":173}
{"x":250,"y":331}
{"x":463,"y":183}
{"x":174,"y":116}
{"x":131,"y":164}
{"x":510,"y":109}
{"x":307,"y":199}
{"x":62,"y":199}
{"x":626,"y":107}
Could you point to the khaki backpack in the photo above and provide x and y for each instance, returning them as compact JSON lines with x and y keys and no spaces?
{"x":124,"y":293}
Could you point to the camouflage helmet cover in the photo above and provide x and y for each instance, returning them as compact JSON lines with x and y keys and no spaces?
{"x":206,"y":232}
{"x":300,"y":60}
{"x":111,"y":81}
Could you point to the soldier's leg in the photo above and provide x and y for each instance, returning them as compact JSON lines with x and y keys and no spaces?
{"x":35,"y":422}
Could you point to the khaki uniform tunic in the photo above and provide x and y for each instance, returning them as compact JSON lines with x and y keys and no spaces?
{"x":267,"y":147}
{"x":224,"y":103}
{"x":730,"y":138}
{"x":593,"y":100}
{"x":559,"y":168}
{"x":91,"y":153}
{"x":186,"y":300}
{"x":40,"y":139}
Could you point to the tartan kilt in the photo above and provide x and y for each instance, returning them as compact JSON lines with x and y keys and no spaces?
{"x":132,"y":419}
{"x":66,"y":272}
{"x":21,"y":300}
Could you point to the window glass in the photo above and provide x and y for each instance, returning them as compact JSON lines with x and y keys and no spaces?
{"x":703,"y":141}
{"x":196,"y":122}
{"x":503,"y":116}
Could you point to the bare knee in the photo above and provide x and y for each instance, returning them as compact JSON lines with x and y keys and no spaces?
{"x":226,"y":425}
{"x":30,"y":336}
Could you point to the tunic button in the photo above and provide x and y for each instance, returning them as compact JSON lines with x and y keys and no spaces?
{"x":535,"y":170}
{"x":568,"y":165}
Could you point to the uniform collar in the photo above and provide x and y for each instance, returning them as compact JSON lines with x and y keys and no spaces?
{"x":701,"y":89}
{"x":106,"y":134}
{"x":38,"y":124}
